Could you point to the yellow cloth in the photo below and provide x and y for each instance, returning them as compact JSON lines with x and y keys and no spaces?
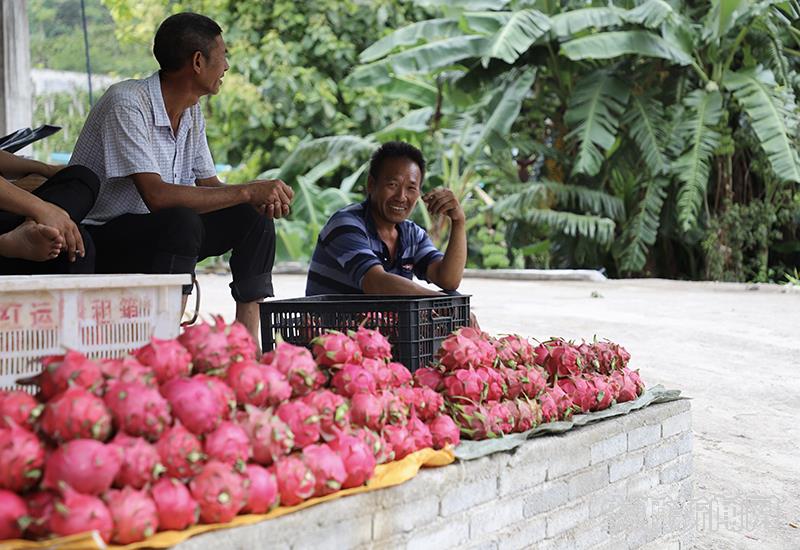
{"x":386,"y":475}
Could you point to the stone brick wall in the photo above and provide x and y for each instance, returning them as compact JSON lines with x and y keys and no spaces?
{"x":620,"y":483}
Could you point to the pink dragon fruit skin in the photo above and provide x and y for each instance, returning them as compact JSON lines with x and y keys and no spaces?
{"x":464,"y":385}
{"x":352,"y":379}
{"x":277,"y":387}
{"x":128,"y":369}
{"x":475,"y":421}
{"x":563,"y":360}
{"x":302,"y":420}
{"x":223,"y":392}
{"x":194,"y":403}
{"x":332,"y":409}
{"x":549,"y":407}
{"x":424,"y":402}
{"x":327,"y":466}
{"x":582,"y":392}
{"x":180,"y":451}
{"x":564,"y":405}
{"x":86,"y":465}
{"x":533,"y":382}
{"x":76,"y":413}
{"x":263,"y":490}
{"x":503,"y":415}
{"x":241,"y":345}
{"x":383,"y":375}
{"x":444,"y":431}
{"x":74,"y":513}
{"x":395,"y":409}
{"x":270,"y":437}
{"x":429,"y":377}
{"x":458,"y":351}
{"x":134,"y":515}
{"x":605,"y":393}
{"x":401,"y":377}
{"x":357,"y":457}
{"x":493,"y":383}
{"x":13,"y":514}
{"x":367,"y":410}
{"x":376,"y":444}
{"x":70,"y":369}
{"x":41,"y":505}
{"x":176,"y":508}
{"x":247,"y":380}
{"x":141,"y":463}
{"x":372,"y":344}
{"x":297,"y":364}
{"x":220,"y":492}
{"x":398,"y":440}
{"x":229,"y":444}
{"x":138,"y":410}
{"x":335,"y":348}
{"x":513,"y":382}
{"x":419,"y":433}
{"x":21,"y":458}
{"x":209,"y":348}
{"x":521,"y":350}
{"x":168,"y":359}
{"x":296,"y":481}
{"x":20,"y":407}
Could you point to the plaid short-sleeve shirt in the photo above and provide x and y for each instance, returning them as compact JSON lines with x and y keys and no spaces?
{"x":128,"y":132}
{"x":349,"y":245}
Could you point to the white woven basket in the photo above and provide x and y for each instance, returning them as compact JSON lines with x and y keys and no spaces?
{"x":100,"y":315}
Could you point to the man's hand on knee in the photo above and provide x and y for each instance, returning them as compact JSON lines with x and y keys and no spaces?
{"x":271,"y":197}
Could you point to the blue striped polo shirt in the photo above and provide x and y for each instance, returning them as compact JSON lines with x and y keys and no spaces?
{"x":348,"y":246}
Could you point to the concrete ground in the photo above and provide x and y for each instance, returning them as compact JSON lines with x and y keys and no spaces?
{"x":734,"y":349}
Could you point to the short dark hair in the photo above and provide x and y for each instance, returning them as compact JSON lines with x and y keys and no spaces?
{"x":182,"y":34}
{"x":395,"y":149}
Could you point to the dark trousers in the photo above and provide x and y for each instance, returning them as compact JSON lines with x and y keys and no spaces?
{"x":74,"y":189}
{"x":173,"y":240}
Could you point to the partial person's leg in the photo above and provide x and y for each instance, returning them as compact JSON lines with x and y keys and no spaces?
{"x":251,"y":237}
{"x":73,"y":189}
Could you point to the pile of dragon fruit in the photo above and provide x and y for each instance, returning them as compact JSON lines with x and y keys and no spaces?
{"x":197,"y":429}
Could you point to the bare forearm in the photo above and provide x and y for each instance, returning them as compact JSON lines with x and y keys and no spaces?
{"x":201,"y":199}
{"x":377,"y":281}
{"x":12,"y":166}
{"x":18,"y":201}
{"x":451,"y":270}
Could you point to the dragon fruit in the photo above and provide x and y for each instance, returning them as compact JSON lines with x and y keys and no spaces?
{"x":401,"y":377}
{"x":223,"y":391}
{"x":141,"y":463}
{"x":514,"y":350}
{"x":180,"y":451}
{"x":76,"y":413}
{"x":581,"y":391}
{"x":419,"y":433}
{"x":134,"y":515}
{"x":563,"y":402}
{"x":86,"y":465}
{"x":493,"y":383}
{"x":444,"y":431}
{"x":513,"y":382}
{"x":241,"y":344}
{"x":384,"y":377}
{"x":394,"y":408}
{"x":176,"y":508}
{"x":375,"y":443}
{"x":460,"y":351}
{"x":195,"y":404}
{"x":398,"y":441}
{"x":367,"y":410}
{"x":20,"y":407}
{"x":220,"y":492}
{"x":357,"y":457}
{"x":429,"y":377}
{"x":128,"y":369}
{"x":333,"y":349}
{"x":71,"y":369}
{"x":475,"y":421}
{"x":533,"y":382}
{"x":372,"y":344}
{"x":138,"y":410}
{"x":332,"y":409}
{"x":229,"y":444}
{"x":327,"y":467}
{"x":246,"y":378}
{"x":297,"y":364}
{"x":302,"y":420}
{"x":560,"y":358}
{"x":262,"y":492}
{"x":627,"y":384}
{"x":21,"y":457}
{"x":424,"y":402}
{"x":13,"y":515}
{"x":352,"y":379}
{"x":527,"y":414}
{"x":605,"y":392}
{"x":606,"y":357}
{"x":503,"y":416}
{"x":296,"y":481}
{"x":464,"y":385}
{"x":41,"y":505}
{"x":74,"y":513}
{"x":269,"y":436}
{"x":548,"y":406}
{"x":208,"y":346}
{"x":276,"y":386}
{"x":168,"y":359}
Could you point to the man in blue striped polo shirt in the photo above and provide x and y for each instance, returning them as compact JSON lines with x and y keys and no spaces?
{"x":373,"y":248}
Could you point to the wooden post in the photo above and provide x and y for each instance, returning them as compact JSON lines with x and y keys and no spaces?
{"x":16,"y":88}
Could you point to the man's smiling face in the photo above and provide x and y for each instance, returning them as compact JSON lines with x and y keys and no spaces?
{"x":395,"y":190}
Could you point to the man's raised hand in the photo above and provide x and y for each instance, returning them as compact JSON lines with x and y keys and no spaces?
{"x":443,"y":201}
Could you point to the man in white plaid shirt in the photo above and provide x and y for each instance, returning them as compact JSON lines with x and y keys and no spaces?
{"x":161,"y":207}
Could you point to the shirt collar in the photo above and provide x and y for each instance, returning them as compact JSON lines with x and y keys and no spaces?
{"x":159,"y":109}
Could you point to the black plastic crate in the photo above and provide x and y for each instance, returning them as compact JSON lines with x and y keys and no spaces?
{"x":415,"y":325}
